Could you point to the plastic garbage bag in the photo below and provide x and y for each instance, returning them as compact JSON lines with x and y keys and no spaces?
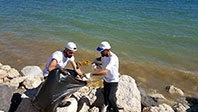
{"x":55,"y":88}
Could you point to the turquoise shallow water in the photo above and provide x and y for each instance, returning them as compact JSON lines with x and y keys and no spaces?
{"x":161,"y":32}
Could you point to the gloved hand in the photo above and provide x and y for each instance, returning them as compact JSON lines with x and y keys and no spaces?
{"x":94,"y":61}
{"x":88,"y":75}
{"x":65,"y":72}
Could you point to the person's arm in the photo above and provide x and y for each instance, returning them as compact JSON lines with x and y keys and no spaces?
{"x":78,"y":71}
{"x":102,"y":72}
{"x":52,"y":65}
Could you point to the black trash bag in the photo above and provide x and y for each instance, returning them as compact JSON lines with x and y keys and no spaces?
{"x":55,"y":88}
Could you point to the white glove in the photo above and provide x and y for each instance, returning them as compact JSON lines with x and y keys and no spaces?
{"x":94,"y":67}
{"x":88,"y":75}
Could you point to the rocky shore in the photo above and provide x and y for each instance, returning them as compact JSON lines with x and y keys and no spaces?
{"x":17,"y":88}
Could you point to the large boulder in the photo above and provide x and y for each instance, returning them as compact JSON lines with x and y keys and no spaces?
{"x":128,"y":96}
{"x":32,"y":71}
{"x":6,"y":93}
{"x":160,"y":108}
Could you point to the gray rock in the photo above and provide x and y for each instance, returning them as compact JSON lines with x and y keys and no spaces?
{"x":128,"y":96}
{"x":32,"y":71}
{"x":6,"y":93}
{"x":147,"y":101}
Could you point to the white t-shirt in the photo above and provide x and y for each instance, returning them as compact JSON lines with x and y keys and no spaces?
{"x":61,"y":61}
{"x":111,"y":63}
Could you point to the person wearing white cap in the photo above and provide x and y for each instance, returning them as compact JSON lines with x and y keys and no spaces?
{"x":110,"y":63}
{"x":59,"y":59}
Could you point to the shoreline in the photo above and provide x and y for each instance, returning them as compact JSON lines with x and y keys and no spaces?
{"x":150,"y":77}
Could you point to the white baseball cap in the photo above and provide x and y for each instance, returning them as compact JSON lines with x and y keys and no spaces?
{"x":103,"y":45}
{"x":71,"y":46}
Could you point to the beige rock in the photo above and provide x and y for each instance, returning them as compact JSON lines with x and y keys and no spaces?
{"x":173,"y":90}
{"x":94,"y":109}
{"x":180,"y":107}
{"x":160,"y":108}
{"x":6,"y":80}
{"x":32,"y":82}
{"x":92,"y":95}
{"x":1,"y":64}
{"x":128,"y":96}
{"x":12,"y":73}
{"x":3,"y":74}
{"x":81,"y":92}
{"x":5,"y":67}
{"x":16,"y":81}
{"x":71,"y":108}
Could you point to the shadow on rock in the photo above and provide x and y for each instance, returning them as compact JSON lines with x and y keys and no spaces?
{"x":17,"y":98}
{"x":30,"y":93}
{"x":99,"y":102}
{"x":193,"y":104}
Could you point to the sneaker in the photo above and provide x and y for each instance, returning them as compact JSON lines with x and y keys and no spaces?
{"x":104,"y":108}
